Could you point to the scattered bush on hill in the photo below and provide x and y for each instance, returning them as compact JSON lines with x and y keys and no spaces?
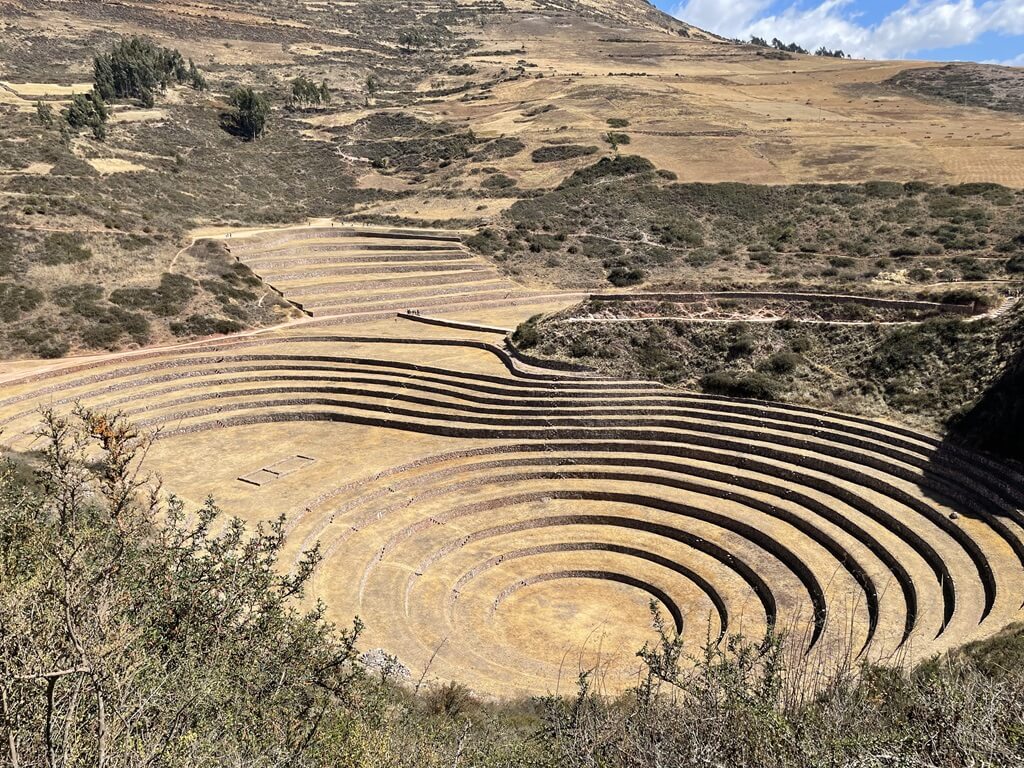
{"x":624,"y":276}
{"x":411,"y":39}
{"x":166,"y":300}
{"x":526,"y":335}
{"x":203,"y":325}
{"x":616,"y":140}
{"x":756,"y":386}
{"x":498,"y":181}
{"x":63,"y":248}
{"x":16,"y":300}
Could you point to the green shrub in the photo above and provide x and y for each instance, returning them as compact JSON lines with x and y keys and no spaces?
{"x":64,"y":248}
{"x":742,"y":347}
{"x":203,"y":325}
{"x":785,"y":361}
{"x":884,"y":189}
{"x":113,"y":323}
{"x":40,"y":339}
{"x":16,"y":300}
{"x":526,"y":335}
{"x":561,"y":152}
{"x":617,"y":122}
{"x":679,"y":233}
{"x":624,"y":276}
{"x":498,"y":181}
{"x":756,"y":386}
{"x":610,"y":167}
{"x":967,"y":296}
{"x":499,"y":149}
{"x":77,"y":297}
{"x":801,"y":344}
{"x":617,"y":139}
{"x":166,"y":300}
{"x":904,"y":251}
{"x":487,"y":241}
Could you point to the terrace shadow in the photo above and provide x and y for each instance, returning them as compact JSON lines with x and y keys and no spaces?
{"x":995,"y":424}
{"x":983,"y":453}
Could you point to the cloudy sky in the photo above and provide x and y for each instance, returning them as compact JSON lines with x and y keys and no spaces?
{"x":974,"y":30}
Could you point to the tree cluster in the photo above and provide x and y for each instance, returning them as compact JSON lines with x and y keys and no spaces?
{"x":306,"y":93}
{"x":248,"y":117}
{"x":411,"y":39}
{"x":87,"y":110}
{"x":795,"y":48}
{"x":136,"y":68}
{"x":787,"y":47}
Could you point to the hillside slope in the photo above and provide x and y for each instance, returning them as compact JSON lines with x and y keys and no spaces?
{"x":484,"y":106}
{"x":944,"y":374}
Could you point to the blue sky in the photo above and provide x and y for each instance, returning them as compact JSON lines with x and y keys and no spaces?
{"x":945,"y":30}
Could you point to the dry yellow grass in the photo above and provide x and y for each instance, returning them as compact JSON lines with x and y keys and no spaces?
{"x":711,"y":111}
{"x":114,"y":165}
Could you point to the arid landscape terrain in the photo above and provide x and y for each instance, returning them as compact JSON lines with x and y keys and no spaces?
{"x":529,"y":317}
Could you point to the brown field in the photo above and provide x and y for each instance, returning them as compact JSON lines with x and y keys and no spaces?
{"x":711,"y":111}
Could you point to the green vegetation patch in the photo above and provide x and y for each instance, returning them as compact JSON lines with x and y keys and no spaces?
{"x":63,"y":248}
{"x":204,"y":325}
{"x":169,"y":298}
{"x":561,"y":152}
{"x":16,"y":300}
{"x":620,"y":215}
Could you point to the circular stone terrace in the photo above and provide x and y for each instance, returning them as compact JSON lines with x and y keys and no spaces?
{"x":505,"y":524}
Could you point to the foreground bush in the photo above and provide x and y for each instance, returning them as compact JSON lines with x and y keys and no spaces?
{"x":132,"y":633}
{"x":128,"y":642}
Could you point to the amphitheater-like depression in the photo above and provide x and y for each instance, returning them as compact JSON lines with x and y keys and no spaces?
{"x":506,"y":525}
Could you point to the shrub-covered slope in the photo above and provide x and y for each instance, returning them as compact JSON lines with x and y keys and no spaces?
{"x":621,"y":222}
{"x":939,"y":374}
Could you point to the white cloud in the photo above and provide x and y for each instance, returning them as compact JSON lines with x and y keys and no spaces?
{"x":1016,"y":61}
{"x":720,"y":16}
{"x":917,"y":25}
